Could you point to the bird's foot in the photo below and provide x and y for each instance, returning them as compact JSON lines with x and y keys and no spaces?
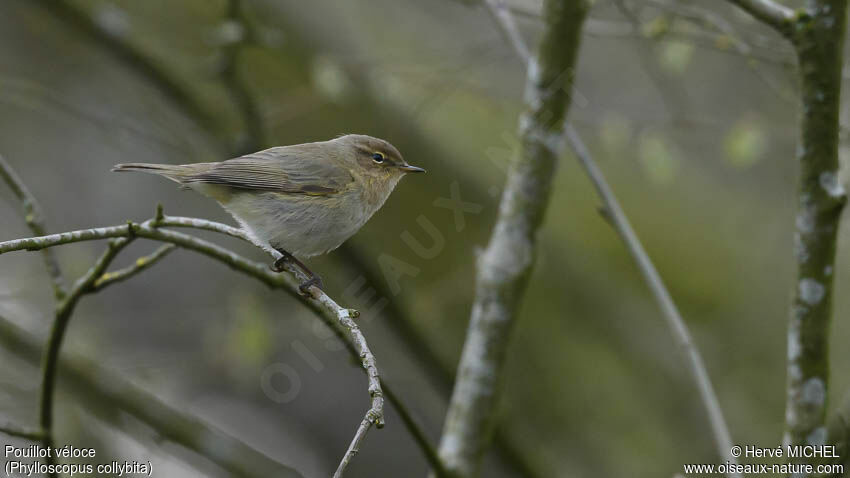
{"x":277,"y":266}
{"x":285,"y":257}
{"x":315,"y":280}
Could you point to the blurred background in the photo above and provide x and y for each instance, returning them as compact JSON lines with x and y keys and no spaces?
{"x":688,"y":107}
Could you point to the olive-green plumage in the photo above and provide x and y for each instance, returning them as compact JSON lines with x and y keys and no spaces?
{"x":305,"y":199}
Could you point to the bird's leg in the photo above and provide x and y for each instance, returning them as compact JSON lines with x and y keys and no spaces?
{"x":314,"y":279}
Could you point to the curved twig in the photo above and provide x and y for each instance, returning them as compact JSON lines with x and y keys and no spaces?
{"x":696,"y":366}
{"x":318,"y":301}
{"x":109,"y":278}
{"x":621,"y":224}
{"x":505,"y":264}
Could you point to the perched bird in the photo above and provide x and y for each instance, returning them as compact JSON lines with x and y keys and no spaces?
{"x":300,"y":200}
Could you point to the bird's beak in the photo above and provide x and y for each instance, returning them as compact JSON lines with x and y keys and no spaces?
{"x":411,"y":169}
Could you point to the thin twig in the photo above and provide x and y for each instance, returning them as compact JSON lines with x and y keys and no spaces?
{"x":708,"y":18}
{"x":64,"y":311}
{"x":672,"y":93}
{"x":139,"y":265}
{"x":505,"y":264}
{"x":696,"y":366}
{"x":35,"y":220}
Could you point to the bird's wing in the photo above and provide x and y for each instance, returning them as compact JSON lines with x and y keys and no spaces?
{"x":278,"y":170}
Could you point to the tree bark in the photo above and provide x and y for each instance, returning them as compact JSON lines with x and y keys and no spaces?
{"x":818,"y":35}
{"x":504,"y":266}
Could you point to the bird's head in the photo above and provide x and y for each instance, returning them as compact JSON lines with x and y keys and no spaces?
{"x":375,"y":158}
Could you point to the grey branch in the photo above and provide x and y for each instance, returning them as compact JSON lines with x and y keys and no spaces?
{"x":621,"y":224}
{"x":107,"y":395}
{"x":819,"y":39}
{"x":35,"y":220}
{"x":681,"y":334}
{"x":125,"y":51}
{"x":139,"y":265}
{"x":504,"y":266}
{"x":318,"y":301}
{"x":64,"y":311}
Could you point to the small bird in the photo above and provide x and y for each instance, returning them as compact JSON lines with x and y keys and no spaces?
{"x":300,"y":200}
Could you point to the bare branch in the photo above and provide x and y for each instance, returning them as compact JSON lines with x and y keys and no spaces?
{"x":64,"y":311}
{"x":770,"y":12}
{"x":318,"y":301}
{"x":621,"y":224}
{"x":108,"y":395}
{"x":139,"y":265}
{"x":504,"y":266}
{"x":172,"y":88}
{"x":684,"y":341}
{"x":35,"y":220}
{"x":821,"y":199}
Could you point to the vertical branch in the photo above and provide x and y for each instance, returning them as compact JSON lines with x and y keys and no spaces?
{"x":35,"y":220}
{"x":818,"y":36}
{"x":504,"y":266}
{"x":621,"y":224}
{"x":50,"y":361}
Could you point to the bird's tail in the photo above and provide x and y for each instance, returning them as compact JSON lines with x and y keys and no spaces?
{"x":176,"y":173}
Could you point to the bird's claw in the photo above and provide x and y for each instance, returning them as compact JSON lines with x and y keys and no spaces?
{"x":315,"y":280}
{"x":277,"y":265}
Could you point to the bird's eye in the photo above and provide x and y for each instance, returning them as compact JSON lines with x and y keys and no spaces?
{"x":378,"y":158}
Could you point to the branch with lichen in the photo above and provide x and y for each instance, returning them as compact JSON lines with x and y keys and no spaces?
{"x":504,"y":266}
{"x":817,"y":33}
{"x":818,"y":38}
{"x":615,"y":214}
